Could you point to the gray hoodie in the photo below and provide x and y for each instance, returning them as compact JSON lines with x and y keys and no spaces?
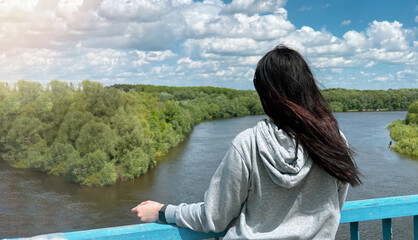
{"x":265,"y":189}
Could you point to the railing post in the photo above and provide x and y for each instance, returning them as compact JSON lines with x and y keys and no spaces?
{"x":416,"y":227}
{"x":387,"y":229}
{"x":354,"y":232}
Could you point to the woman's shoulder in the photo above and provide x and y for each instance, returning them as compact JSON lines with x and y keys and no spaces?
{"x":244,"y":136}
{"x":244,"y":140}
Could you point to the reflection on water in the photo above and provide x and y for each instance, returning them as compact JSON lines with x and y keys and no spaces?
{"x":33,"y":203}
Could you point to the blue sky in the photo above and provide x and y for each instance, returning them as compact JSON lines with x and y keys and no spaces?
{"x":349,"y":44}
{"x":330,"y":14}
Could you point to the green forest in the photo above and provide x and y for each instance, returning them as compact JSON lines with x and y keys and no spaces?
{"x":95,"y":135}
{"x":342,"y":100}
{"x":405,"y":132}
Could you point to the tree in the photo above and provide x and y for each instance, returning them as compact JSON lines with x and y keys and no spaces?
{"x":412,"y":115}
{"x":134,"y":163}
{"x":69,"y":130}
{"x":96,"y":136}
{"x":29,"y":91}
{"x":58,"y":156}
{"x":106,"y":176}
{"x":24,"y":134}
{"x":78,"y":170}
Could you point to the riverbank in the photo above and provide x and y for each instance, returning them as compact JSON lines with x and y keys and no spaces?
{"x":405,"y":133}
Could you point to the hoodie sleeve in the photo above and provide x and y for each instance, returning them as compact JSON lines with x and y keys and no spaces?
{"x":343,"y":187}
{"x":227,"y":191}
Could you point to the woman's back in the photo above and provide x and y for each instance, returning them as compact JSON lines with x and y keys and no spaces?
{"x":266,"y":187}
{"x":289,"y":197}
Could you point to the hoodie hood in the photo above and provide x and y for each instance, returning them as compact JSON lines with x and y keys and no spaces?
{"x":277,"y":150}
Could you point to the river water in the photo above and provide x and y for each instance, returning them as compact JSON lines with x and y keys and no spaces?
{"x":33,"y":203}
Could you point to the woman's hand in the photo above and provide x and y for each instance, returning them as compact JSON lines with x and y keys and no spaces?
{"x":147,"y":211}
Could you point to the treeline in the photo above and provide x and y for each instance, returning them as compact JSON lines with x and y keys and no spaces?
{"x":95,"y":136}
{"x":342,"y":100}
{"x":204,"y":102}
{"x":339,"y":99}
{"x":405,"y":132}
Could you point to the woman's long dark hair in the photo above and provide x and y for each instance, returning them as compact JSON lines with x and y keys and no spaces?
{"x":290,"y":96}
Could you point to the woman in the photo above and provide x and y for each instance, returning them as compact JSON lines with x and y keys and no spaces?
{"x":285,"y":178}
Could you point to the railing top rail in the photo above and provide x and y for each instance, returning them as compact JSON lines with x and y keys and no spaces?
{"x":379,"y":208}
{"x":354,"y":211}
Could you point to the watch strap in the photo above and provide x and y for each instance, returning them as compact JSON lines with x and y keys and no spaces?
{"x":161,"y":214}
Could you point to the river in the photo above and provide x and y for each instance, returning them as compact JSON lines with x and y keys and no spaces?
{"x":33,"y":203}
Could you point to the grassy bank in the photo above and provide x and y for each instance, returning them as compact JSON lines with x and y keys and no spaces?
{"x":405,"y":132}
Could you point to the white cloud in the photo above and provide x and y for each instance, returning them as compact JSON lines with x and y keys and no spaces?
{"x":390,"y":36}
{"x":162,"y":70}
{"x":345,"y":23}
{"x":408,"y":74}
{"x":97,"y":24}
{"x":326,"y":62}
{"x":160,"y":55}
{"x":337,"y":70}
{"x":212,"y":47}
{"x":184,"y":60}
{"x":357,"y":41}
{"x":383,"y":55}
{"x":305,"y":8}
{"x":105,"y":40}
{"x":367,"y":74}
{"x":381,"y":42}
{"x":370,"y":64}
{"x":187,"y":64}
{"x":250,"y":61}
{"x":384,"y":78}
{"x":144,"y":57}
{"x":251,"y":7}
{"x":95,"y":64}
{"x":416,"y":19}
{"x":249,"y":75}
{"x":137,"y":10}
{"x":201,"y":22}
{"x":314,"y":43}
{"x":141,"y":60}
{"x":177,"y":3}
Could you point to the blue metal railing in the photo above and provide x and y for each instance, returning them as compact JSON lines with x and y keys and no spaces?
{"x":380,"y":208}
{"x":353,"y":213}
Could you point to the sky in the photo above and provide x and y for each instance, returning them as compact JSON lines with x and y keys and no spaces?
{"x":352,"y":44}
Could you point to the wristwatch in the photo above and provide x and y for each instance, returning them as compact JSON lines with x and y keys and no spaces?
{"x":161,"y":214}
